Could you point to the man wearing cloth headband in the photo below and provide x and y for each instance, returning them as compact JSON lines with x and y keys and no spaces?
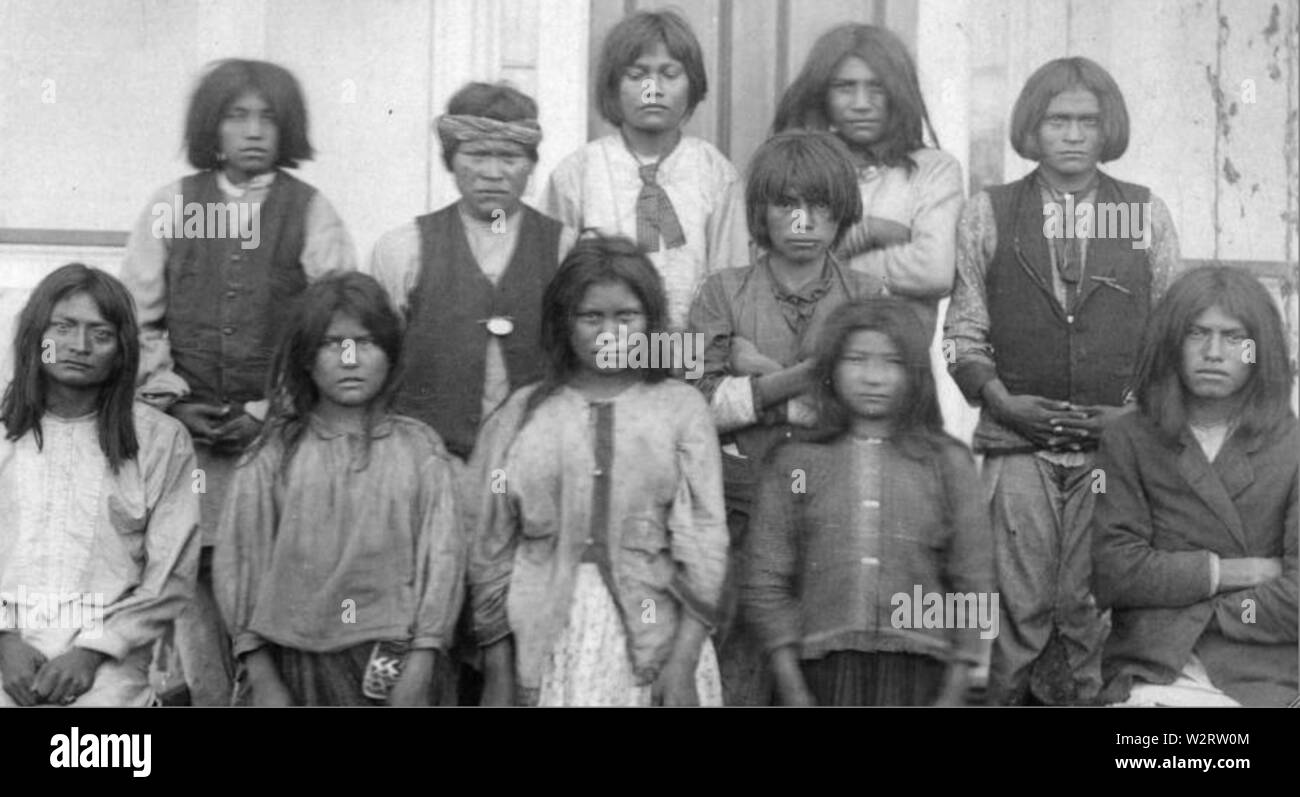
{"x":468,"y":278}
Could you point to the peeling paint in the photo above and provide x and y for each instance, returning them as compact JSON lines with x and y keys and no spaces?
{"x":1230,"y":172}
{"x":1272,"y":28}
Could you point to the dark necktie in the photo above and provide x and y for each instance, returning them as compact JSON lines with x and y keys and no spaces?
{"x":655,"y":213}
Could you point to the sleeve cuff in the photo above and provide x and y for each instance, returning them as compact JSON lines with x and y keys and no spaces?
{"x":971,"y":377}
{"x":492,"y":633}
{"x":109,"y":643}
{"x":706,"y":614}
{"x":429,"y":643}
{"x":246,"y":643}
{"x":735,"y":403}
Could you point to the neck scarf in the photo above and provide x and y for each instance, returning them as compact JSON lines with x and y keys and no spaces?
{"x":655,"y":214}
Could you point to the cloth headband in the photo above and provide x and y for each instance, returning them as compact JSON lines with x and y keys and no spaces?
{"x":473,"y":128}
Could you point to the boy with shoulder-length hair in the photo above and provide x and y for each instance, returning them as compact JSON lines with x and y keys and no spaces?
{"x":860,"y":83}
{"x":1194,"y":538}
{"x":98,"y":549}
{"x":760,"y":324}
{"x":674,"y":194}
{"x":1046,"y":314}
{"x":212,"y":262}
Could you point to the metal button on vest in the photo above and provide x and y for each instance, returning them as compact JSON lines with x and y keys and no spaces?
{"x":227,"y":330}
{"x":230,"y":294}
{"x":598,"y":472}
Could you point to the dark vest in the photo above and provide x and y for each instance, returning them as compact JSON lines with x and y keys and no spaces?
{"x":444,"y":350}
{"x":226,"y":304}
{"x":1085,"y":355}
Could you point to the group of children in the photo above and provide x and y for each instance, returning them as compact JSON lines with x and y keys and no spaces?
{"x":430,"y":484}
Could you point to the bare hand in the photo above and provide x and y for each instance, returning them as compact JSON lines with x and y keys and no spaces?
{"x":746,"y":360}
{"x":235,"y":434}
{"x":203,"y":420}
{"x":1098,"y":417}
{"x":1043,"y":421}
{"x":675,"y":685}
{"x":19,"y":664}
{"x":270,"y":692}
{"x":412,"y":687}
{"x":955,"y":684}
{"x":65,"y":677}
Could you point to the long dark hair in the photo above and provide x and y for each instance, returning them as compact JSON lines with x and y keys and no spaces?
{"x":24,"y":399}
{"x":918,"y":427}
{"x":804,"y":102}
{"x":292,"y":391}
{"x":227,"y":81}
{"x":1158,"y":383}
{"x":593,"y":260}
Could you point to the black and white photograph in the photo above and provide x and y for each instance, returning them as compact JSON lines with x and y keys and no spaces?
{"x":626,"y":353}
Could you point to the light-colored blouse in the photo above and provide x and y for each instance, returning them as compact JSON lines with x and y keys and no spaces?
{"x":633,"y":483}
{"x":94,"y":559}
{"x":331,"y":554}
{"x":597,"y":187}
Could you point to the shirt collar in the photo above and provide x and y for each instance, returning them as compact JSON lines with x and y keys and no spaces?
{"x":259,"y":182}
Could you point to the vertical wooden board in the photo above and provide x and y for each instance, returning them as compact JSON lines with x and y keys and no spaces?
{"x":702,"y":16}
{"x":990,"y":24}
{"x":1038,"y":33}
{"x":520,"y":24}
{"x":75,"y":153}
{"x":902,"y":17}
{"x":562,"y":81}
{"x":1153,"y":56}
{"x":1177,"y":125}
{"x":364,"y":70}
{"x":1090,"y":29}
{"x":809,"y":20}
{"x":605,"y":14}
{"x":1254,"y":102}
{"x":755,"y":91}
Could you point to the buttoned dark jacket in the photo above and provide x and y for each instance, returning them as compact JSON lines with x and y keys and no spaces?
{"x":1164,"y":509}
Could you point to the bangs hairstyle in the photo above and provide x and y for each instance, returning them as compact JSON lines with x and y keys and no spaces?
{"x":806,"y":101}
{"x":227,"y":81}
{"x":493,"y":101}
{"x":1161,"y":394}
{"x":594,"y":260}
{"x":24,"y":400}
{"x":1065,"y":74}
{"x":290,"y":386}
{"x":918,"y":426}
{"x":629,"y":39}
{"x":813,"y":166}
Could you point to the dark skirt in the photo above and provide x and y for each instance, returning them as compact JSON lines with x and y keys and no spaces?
{"x":853,"y":678}
{"x":325,"y":679}
{"x":335,"y":678}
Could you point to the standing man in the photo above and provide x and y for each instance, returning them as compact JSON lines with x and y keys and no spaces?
{"x":1042,"y":333}
{"x":468,"y":279}
{"x":468,"y":282}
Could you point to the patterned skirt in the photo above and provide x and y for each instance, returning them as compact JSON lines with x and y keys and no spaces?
{"x":590,"y":666}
